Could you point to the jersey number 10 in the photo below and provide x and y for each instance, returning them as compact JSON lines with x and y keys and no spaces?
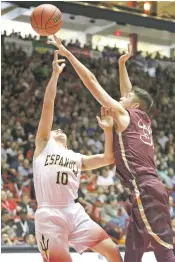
{"x":62,"y":178}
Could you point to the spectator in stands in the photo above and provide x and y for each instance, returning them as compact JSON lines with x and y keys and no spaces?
{"x":3,"y":154}
{"x":122,"y":217}
{"x":83,"y":197}
{"x":101,"y":196}
{"x":6,"y":240}
{"x":7,"y":204}
{"x":12,"y":152}
{"x":29,"y":147}
{"x":172,"y":208}
{"x":105,"y":179}
{"x":18,"y":187}
{"x":162,"y":139}
{"x":30,"y":239}
{"x":171,"y":174}
{"x":24,"y":226}
{"x":25,"y":169}
{"x":109,"y":218}
{"x":11,"y":201}
{"x":25,"y":203}
{"x":6,"y":224}
{"x":109,"y":211}
{"x":17,"y":162}
{"x":112,"y":190}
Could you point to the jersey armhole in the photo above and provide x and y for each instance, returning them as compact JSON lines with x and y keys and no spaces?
{"x":81,"y":162}
{"x":126,"y":127}
{"x":46,"y":146}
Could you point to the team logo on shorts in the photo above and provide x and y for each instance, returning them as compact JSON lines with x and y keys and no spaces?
{"x":44,"y":247}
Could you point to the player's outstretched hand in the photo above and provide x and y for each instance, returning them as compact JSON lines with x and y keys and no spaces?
{"x":61,"y":49}
{"x":126,"y":56}
{"x":106,"y":120}
{"x":58,"y":65}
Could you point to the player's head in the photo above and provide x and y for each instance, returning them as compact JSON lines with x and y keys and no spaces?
{"x":59,"y":137}
{"x":137,"y":98}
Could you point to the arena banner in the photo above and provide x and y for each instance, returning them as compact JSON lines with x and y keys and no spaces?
{"x":42,"y":47}
{"x":25,"y":45}
{"x":79,"y":51}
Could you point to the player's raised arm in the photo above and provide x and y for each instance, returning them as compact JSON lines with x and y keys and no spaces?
{"x":46,"y":120}
{"x":107,"y":158}
{"x":125,"y":83}
{"x":89,"y":79}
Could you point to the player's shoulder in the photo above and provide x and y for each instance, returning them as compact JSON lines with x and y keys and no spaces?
{"x":136,"y":111}
{"x":43,"y":148}
{"x":73,"y":152}
{"x":139,"y":115}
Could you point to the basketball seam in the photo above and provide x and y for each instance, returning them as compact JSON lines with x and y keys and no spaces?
{"x":53,"y":26}
{"x":34,"y":20}
{"x":48,"y":27}
{"x":41,"y":18}
{"x":50,"y":18}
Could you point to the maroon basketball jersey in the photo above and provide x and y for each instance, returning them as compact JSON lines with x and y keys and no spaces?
{"x":134,"y":149}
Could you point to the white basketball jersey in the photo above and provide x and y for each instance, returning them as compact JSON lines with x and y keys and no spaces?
{"x":57,"y":173}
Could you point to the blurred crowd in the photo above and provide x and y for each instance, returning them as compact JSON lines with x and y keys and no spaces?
{"x":88,"y":45}
{"x":23,"y":84}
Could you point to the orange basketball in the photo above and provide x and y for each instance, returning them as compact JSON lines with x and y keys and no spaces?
{"x":46,"y":19}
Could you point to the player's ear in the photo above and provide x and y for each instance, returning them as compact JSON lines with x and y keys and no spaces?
{"x":135,"y":105}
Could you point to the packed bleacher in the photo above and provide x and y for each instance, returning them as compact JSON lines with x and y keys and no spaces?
{"x":24,"y":79}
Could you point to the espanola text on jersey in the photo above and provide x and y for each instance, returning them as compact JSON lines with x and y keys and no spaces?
{"x":61,"y":161}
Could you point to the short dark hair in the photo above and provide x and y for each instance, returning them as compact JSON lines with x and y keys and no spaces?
{"x":143,"y":97}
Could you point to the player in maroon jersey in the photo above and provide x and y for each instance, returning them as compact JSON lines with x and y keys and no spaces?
{"x":150,"y":224}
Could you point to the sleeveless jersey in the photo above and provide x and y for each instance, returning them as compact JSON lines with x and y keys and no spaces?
{"x":134,"y":149}
{"x":57,"y":173}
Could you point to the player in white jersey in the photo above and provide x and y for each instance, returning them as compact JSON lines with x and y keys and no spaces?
{"x":59,"y":221}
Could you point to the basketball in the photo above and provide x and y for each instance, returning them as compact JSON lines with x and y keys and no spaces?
{"x":46,"y":19}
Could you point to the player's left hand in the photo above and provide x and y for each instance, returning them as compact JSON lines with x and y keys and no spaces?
{"x":58,"y":65}
{"x":61,"y":48}
{"x":106,"y":121}
{"x":126,"y":56}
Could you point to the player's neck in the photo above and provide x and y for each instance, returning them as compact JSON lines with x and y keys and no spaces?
{"x":60,"y":144}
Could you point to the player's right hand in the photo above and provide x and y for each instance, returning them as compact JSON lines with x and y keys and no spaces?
{"x":61,"y":49}
{"x":126,"y":56}
{"x":58,"y":65}
{"x":106,"y":121}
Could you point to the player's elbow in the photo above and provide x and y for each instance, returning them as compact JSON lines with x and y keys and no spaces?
{"x":108,"y":160}
{"x":89,"y":79}
{"x":92,"y":77}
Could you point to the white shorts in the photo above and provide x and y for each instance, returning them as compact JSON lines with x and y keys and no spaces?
{"x":59,"y":228}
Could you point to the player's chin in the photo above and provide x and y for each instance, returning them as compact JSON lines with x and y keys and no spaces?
{"x":61,"y":137}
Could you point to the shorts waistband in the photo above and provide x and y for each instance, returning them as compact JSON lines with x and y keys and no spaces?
{"x":55,"y":204}
{"x":139,"y":179}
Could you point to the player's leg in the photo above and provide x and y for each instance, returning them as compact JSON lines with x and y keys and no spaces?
{"x":52,"y":236}
{"x":89,"y":235}
{"x":164,"y":255}
{"x":109,"y":250}
{"x":55,"y":251}
{"x":132,"y":254}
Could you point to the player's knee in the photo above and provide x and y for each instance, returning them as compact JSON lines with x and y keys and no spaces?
{"x":109,"y":248}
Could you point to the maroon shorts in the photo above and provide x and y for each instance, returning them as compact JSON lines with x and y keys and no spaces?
{"x":150,"y":223}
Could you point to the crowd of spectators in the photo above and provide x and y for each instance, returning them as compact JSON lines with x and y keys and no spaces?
{"x":23,"y":83}
{"x":154,"y":55}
